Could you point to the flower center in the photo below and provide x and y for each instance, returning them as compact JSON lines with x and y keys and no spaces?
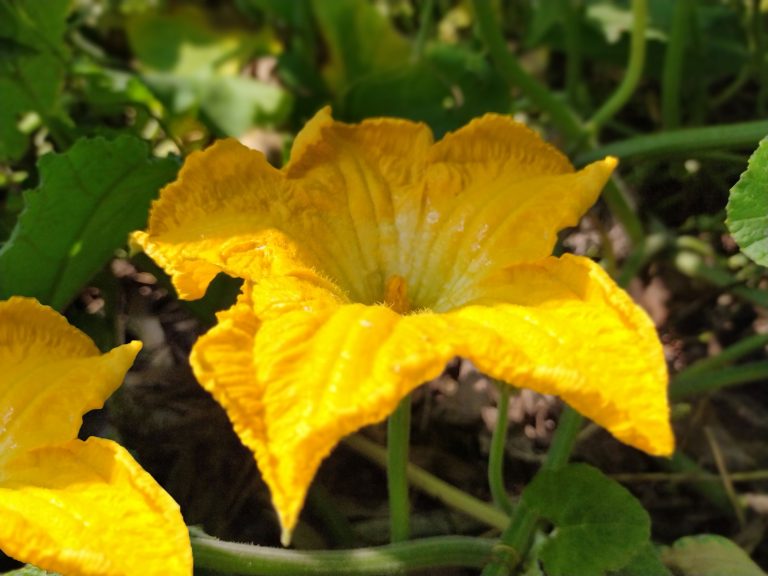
{"x":396,"y":294}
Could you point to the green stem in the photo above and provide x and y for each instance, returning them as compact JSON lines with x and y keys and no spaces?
{"x":429,"y":484}
{"x":425,"y":27}
{"x":496,"y":456}
{"x":561,"y":115}
{"x":712,"y":491}
{"x":634,"y":68}
{"x":758,"y":31}
{"x":516,"y":539}
{"x":730,"y":354}
{"x":244,"y":559}
{"x":641,"y":253}
{"x":572,"y":22}
{"x":687,"y":141}
{"x":514,"y":542}
{"x":564,"y":438}
{"x":699,"y":383}
{"x":674,"y":58}
{"x":398,"y":439}
{"x":621,"y":207}
{"x":732,"y":89}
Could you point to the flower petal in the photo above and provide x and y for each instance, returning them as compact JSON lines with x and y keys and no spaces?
{"x":52,"y":375}
{"x":360,"y":203}
{"x":496,"y":195}
{"x":295,"y":384}
{"x":562,"y":326}
{"x":88,"y":508}
{"x":227,"y":212}
{"x":230,"y":211}
{"x":297,"y":375}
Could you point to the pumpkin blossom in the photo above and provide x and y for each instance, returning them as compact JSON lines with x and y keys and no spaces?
{"x":71,"y":506}
{"x":374,"y":257}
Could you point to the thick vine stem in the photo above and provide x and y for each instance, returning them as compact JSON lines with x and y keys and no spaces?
{"x":688,"y":141}
{"x":398,"y":440}
{"x":634,"y":69}
{"x":243,"y":559}
{"x":430,"y":484}
{"x":515,"y":75}
{"x":516,"y":539}
{"x":496,"y":455}
{"x":674,"y":59}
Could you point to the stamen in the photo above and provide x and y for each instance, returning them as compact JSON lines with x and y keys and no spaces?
{"x":396,"y":294}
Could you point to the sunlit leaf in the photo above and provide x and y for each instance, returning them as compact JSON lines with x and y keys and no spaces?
{"x":29,"y":570}
{"x":748,"y":207}
{"x":32,"y":66}
{"x":348,"y":27}
{"x":599,"y":525}
{"x":191,"y":65}
{"x":445,"y":89}
{"x":709,"y":555}
{"x":88,"y":200}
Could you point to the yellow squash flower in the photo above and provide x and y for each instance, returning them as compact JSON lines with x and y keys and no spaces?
{"x":374,"y":257}
{"x":67,"y":505}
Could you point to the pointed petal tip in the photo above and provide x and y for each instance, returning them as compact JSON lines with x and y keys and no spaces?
{"x":285,"y":537}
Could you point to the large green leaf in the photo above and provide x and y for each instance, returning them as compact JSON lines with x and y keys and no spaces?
{"x":446,"y":89}
{"x":193,"y":66}
{"x":748,"y":207}
{"x":360,"y":41}
{"x":88,"y":200}
{"x":29,"y":570}
{"x":32,"y":65}
{"x":709,"y":555}
{"x":599,"y":525}
{"x":646,"y":562}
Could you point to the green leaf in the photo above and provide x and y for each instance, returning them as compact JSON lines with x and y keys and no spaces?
{"x":360,"y":41}
{"x":88,"y":200}
{"x":709,"y":555}
{"x":599,"y":525}
{"x":29,"y":570}
{"x":748,"y":207}
{"x":31,"y":68}
{"x":192,"y":66}
{"x":647,"y":562}
{"x":446,"y":89}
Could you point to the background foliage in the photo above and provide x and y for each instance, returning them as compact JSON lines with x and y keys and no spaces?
{"x":101,"y":100}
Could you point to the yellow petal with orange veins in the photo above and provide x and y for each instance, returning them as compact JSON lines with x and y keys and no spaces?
{"x":52,"y":374}
{"x":88,"y":509}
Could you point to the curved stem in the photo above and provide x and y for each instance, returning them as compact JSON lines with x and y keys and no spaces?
{"x":620,"y":205}
{"x":634,"y":68}
{"x":686,"y":141}
{"x":674,"y":57}
{"x":730,"y":354}
{"x":429,"y":484}
{"x":244,"y":559}
{"x":515,"y":75}
{"x":516,"y":539}
{"x":425,"y":27}
{"x":758,"y":31}
{"x":699,"y":383}
{"x":496,"y":456}
{"x":398,"y":438}
{"x":564,"y":438}
{"x":572,"y":23}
